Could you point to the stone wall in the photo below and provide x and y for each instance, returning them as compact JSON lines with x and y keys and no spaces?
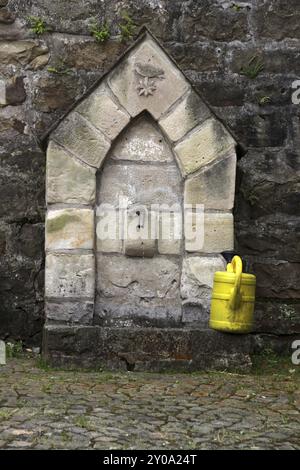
{"x":213,"y":42}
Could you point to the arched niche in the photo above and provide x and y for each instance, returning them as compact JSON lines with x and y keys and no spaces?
{"x":144,"y":88}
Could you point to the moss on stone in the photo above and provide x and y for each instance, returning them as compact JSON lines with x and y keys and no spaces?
{"x":58,"y":223}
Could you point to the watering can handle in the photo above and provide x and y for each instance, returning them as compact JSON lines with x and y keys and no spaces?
{"x":236,"y":267}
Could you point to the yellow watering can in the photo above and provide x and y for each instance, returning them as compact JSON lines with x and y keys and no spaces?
{"x":233,"y":297}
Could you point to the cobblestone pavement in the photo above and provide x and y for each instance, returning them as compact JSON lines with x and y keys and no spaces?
{"x":50,"y":409}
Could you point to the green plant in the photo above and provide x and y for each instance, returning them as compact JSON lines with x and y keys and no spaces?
{"x":42,"y":364}
{"x":14,"y":349}
{"x":253,"y":67}
{"x":60,"y":68}
{"x":236,"y":7}
{"x":127,"y":27}
{"x":99,"y":32}
{"x":38,"y":25}
{"x":81,"y":421}
{"x":264,"y":100}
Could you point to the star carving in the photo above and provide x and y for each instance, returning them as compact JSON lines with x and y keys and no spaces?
{"x":146,"y":87}
{"x":148,"y":74}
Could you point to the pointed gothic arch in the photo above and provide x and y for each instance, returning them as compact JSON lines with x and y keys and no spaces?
{"x":145,"y":80}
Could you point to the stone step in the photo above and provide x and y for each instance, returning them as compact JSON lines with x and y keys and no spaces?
{"x":145,"y":349}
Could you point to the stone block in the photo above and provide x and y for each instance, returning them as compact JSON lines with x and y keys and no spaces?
{"x":145,"y":349}
{"x":194,"y":229}
{"x":186,"y":115}
{"x":6,"y":17}
{"x":254,"y":238}
{"x":277,"y":318}
{"x":214,"y":21}
{"x":20,"y":52}
{"x":275,"y":278}
{"x":147,"y":80}
{"x":68,"y":180}
{"x":214,"y":185}
{"x":141,"y":184}
{"x":268,"y":20}
{"x":206,"y":143}
{"x":12,"y":91}
{"x":82,"y":139}
{"x":54,"y":92}
{"x":80,"y":312}
{"x":69,"y":229}
{"x":131,"y":280}
{"x":218,"y":234}
{"x":170,"y":233}
{"x":197,"y":277}
{"x":142,"y":142}
{"x":70,"y":275}
{"x":101,"y":111}
{"x":269,"y":180}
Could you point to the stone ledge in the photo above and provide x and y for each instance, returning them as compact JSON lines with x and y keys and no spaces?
{"x":145,"y":349}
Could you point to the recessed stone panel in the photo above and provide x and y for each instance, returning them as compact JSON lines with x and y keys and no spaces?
{"x":104,"y":113}
{"x":139,"y":282}
{"x":70,"y":275}
{"x":82,"y":139}
{"x":206,"y":143}
{"x":141,"y":184}
{"x":189,"y":113}
{"x":147,"y":80}
{"x":214,"y":186}
{"x":142,"y":142}
{"x":69,"y":229}
{"x":68,"y":180}
{"x":109,"y":234}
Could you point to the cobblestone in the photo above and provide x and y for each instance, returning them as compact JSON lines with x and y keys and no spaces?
{"x":43,"y":408}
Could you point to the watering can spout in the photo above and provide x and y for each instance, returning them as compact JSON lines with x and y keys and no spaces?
{"x":233,"y":296}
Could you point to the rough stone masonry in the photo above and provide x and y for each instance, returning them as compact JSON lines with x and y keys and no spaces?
{"x":212,"y":42}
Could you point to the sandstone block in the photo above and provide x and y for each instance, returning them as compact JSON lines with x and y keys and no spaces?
{"x":214,"y":186}
{"x":68,"y":180}
{"x":82,"y":139}
{"x":218,"y":233}
{"x":70,"y":229}
{"x":189,"y":113}
{"x":194,"y":229}
{"x":142,"y":142}
{"x":206,"y":143}
{"x":147,"y":80}
{"x":104,"y":113}
{"x":70,"y":275}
